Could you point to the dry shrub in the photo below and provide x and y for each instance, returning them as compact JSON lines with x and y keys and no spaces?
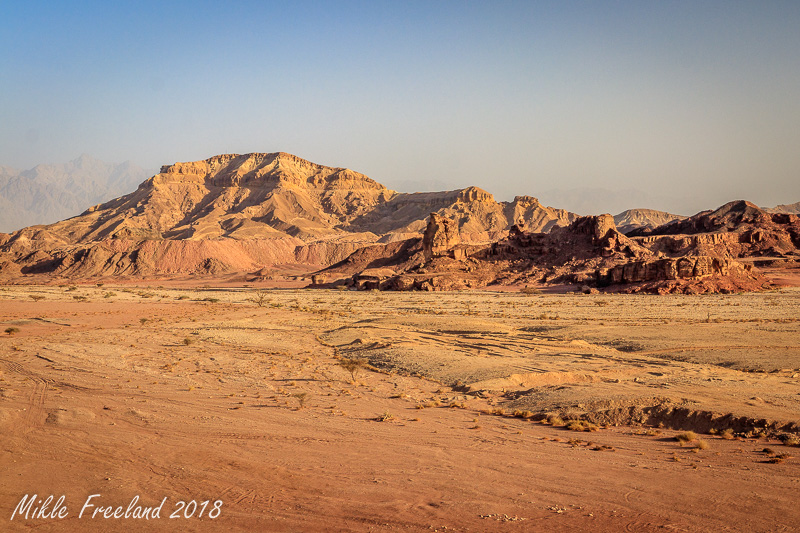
{"x":580,"y":425}
{"x":353,"y":366}
{"x":687,"y":436}
{"x":791,"y":440}
{"x":385,"y":417}
{"x":554,"y":420}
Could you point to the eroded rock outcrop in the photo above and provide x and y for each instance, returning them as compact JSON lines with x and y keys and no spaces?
{"x":440,"y":236}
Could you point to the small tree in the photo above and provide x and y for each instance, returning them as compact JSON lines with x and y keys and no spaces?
{"x":259,"y":298}
{"x":301,"y":398}
{"x":353,"y":366}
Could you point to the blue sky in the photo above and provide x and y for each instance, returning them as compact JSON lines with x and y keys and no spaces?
{"x":690,"y":103}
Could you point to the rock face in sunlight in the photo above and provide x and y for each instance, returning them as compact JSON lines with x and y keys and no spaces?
{"x":440,"y":236}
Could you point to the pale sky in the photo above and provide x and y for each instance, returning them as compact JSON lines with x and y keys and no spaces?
{"x":688,"y":104}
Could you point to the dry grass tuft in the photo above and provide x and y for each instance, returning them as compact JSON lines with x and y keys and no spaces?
{"x":580,"y":425}
{"x":385,"y":417}
{"x":688,"y":436}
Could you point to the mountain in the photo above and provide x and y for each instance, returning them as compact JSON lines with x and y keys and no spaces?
{"x":793,"y":209}
{"x":736,"y":229}
{"x":590,"y":253}
{"x":244,"y":212}
{"x":643,"y":218}
{"x":47,"y":193}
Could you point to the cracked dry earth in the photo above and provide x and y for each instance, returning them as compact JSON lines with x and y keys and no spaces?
{"x":201,"y":394}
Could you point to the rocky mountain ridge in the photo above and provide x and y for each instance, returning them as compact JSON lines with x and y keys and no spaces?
{"x":258,"y":209}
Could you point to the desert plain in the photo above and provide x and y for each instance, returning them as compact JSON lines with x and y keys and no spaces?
{"x":336,"y":410}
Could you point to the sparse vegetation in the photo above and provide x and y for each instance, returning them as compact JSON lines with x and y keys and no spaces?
{"x":11,"y":330}
{"x":580,"y":425}
{"x":353,"y":366}
{"x":688,"y":436}
{"x":385,"y":417}
{"x":259,"y":298}
{"x":301,"y":398}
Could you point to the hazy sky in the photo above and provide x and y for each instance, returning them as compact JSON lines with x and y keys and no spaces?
{"x":694,"y":103}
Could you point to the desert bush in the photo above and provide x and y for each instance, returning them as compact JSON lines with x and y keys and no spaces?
{"x":530,"y":291}
{"x":11,"y":331}
{"x":791,"y":440}
{"x":353,"y":366}
{"x":385,"y":417}
{"x":726,"y":434}
{"x":36,"y":297}
{"x":301,"y":398}
{"x":109,"y":294}
{"x":687,"y":436}
{"x":703,"y":445}
{"x":554,"y":420}
{"x":187,"y":341}
{"x":259,"y":298}
{"x":580,"y":425}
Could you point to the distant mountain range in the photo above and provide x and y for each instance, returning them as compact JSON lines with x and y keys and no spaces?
{"x":49,"y":193}
{"x":792,"y":209}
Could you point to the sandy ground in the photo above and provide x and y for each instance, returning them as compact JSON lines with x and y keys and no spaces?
{"x":203,"y":395}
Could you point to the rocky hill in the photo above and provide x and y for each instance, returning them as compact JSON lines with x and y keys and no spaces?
{"x":590,"y":254}
{"x":48,"y":193}
{"x":737,"y":229}
{"x":712,"y":251}
{"x":245,"y":212}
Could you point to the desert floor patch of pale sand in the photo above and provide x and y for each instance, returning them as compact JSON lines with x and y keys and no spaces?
{"x":195,"y":394}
